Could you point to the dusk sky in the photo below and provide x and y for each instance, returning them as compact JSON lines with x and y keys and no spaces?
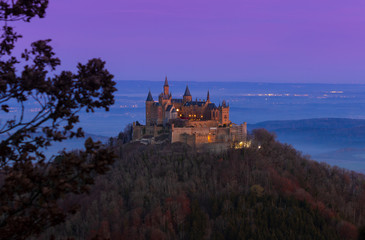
{"x":209,"y":40}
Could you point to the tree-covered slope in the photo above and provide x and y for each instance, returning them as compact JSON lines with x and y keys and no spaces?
{"x":267,"y":191}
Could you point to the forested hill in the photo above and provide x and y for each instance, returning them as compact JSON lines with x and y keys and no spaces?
{"x":266,"y":192}
{"x":326,"y":132}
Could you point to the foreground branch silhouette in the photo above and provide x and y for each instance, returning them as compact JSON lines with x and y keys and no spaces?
{"x":32,"y":187}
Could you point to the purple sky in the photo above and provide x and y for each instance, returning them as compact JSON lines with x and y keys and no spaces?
{"x":210,"y":40}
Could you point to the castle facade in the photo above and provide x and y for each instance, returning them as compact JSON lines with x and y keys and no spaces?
{"x":167,"y":108}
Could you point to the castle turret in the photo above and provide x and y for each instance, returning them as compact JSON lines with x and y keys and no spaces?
{"x":187,"y":96}
{"x":149,"y":97}
{"x":149,"y":109}
{"x":208,"y":97}
{"x":224,"y":113}
{"x":166,"y":87}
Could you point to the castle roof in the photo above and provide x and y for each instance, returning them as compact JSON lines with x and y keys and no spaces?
{"x":168,"y":109}
{"x":149,"y":97}
{"x":212,"y":106}
{"x":176,"y":100}
{"x":195,"y":103}
{"x":187,"y":92}
{"x":166,"y":83}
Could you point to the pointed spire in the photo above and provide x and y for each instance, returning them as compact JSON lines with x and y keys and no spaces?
{"x":208,"y":97}
{"x":187,"y":91}
{"x":149,"y":97}
{"x":166,"y":83}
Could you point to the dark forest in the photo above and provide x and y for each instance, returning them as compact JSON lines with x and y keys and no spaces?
{"x":175,"y":192}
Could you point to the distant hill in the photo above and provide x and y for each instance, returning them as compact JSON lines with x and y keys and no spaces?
{"x":314,"y":123}
{"x":329,"y":132}
{"x":324,"y":139}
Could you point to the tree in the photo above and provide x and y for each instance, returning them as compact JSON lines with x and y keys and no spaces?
{"x":33,"y":188}
{"x":361,"y":235}
{"x":127,"y":134}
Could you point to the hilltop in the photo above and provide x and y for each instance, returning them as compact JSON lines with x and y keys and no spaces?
{"x":266,"y":191}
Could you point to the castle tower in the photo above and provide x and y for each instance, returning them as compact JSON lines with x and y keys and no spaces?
{"x":166,"y":87}
{"x":208,"y":97}
{"x":224,"y":104}
{"x":187,"y":96}
{"x":224,"y":113}
{"x":149,"y":109}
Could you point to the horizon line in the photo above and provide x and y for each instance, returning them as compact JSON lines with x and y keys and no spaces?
{"x":196,"y":81}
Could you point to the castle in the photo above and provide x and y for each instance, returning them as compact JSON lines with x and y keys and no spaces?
{"x":196,"y":123}
{"x":168,"y":108}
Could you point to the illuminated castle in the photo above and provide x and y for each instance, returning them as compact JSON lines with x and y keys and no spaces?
{"x":200,"y":124}
{"x":168,"y":108}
